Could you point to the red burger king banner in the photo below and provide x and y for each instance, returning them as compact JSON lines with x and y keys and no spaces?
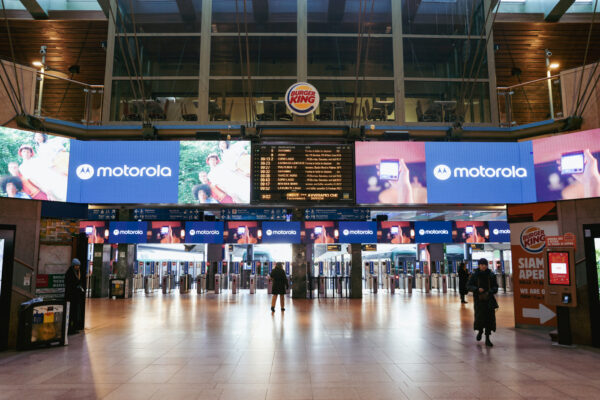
{"x":528,"y":242}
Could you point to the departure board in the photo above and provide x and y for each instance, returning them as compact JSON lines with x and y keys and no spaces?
{"x":301,"y":173}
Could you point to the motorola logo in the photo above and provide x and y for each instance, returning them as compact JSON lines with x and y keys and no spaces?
{"x":433,"y":232}
{"x":118,"y":232}
{"x":501,"y":231}
{"x":281,"y":232}
{"x":442,"y":172}
{"x":84,"y":172}
{"x":358,"y":232}
{"x":204,"y":232}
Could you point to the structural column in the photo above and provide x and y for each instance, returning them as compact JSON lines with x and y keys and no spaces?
{"x":356,"y":271}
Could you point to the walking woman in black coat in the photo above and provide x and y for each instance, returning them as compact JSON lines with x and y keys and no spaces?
{"x":483,"y":284}
{"x":463,"y":278}
{"x":74,"y":294}
{"x":280,"y":285}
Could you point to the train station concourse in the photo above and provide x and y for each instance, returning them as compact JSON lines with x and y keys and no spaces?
{"x":299,"y":199}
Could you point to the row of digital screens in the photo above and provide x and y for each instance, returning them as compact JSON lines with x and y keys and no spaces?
{"x":45,"y":167}
{"x":252,"y":232}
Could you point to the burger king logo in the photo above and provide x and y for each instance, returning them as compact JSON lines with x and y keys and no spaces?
{"x":302,"y":98}
{"x":533,"y":239}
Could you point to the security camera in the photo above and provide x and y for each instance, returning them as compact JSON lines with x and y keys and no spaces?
{"x":43,"y":50}
{"x":548,"y":53}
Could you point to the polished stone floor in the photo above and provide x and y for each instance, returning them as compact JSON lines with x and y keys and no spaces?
{"x":231,"y":347}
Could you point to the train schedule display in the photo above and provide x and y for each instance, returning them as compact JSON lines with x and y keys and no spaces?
{"x":299,"y":173}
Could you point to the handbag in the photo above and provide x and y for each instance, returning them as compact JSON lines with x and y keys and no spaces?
{"x":485,"y":296}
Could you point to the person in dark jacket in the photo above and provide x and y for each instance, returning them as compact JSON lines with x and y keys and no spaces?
{"x":280,"y":285}
{"x":74,"y":294}
{"x":483,"y":284}
{"x":463,"y":278}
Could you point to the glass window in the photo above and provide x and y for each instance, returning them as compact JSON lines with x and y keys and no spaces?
{"x":443,"y":17}
{"x":341,"y":16}
{"x":261,"y":16}
{"x":437,"y":101}
{"x":168,"y":100}
{"x":374,"y":100}
{"x":166,"y":16}
{"x":269,"y":56}
{"x":226,"y":99}
{"x":444,"y":58}
{"x":160,"y":56}
{"x":336,"y":56}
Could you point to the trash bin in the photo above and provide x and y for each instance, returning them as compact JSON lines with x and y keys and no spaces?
{"x":118,"y":288}
{"x":42,"y":323}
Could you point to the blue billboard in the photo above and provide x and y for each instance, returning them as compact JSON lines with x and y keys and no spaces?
{"x":127,"y":232}
{"x":465,"y":172}
{"x":358,"y":232}
{"x":281,"y":232}
{"x":499,"y":231}
{"x":204,"y":232}
{"x":433,"y":231}
{"x":123,"y":172}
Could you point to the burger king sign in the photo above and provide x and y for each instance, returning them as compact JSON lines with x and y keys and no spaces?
{"x":302,"y":98}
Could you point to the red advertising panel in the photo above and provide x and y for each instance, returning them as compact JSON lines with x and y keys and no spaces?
{"x":558,"y":268}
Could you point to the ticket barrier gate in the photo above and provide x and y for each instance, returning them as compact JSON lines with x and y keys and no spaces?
{"x":167,"y":283}
{"x":138,"y":282}
{"x":374,"y":285}
{"x":392,"y":284}
{"x":419,"y":281}
{"x":252,"y":284}
{"x":444,"y":283}
{"x":217,"y":283}
{"x":185,"y":283}
{"x":435,"y":281}
{"x":425,"y":283}
{"x":322,"y":288}
{"x":289,"y":286}
{"x":201,"y":284}
{"x":150,"y":283}
{"x":408,"y":283}
{"x":235,"y":279}
{"x":453,"y":282}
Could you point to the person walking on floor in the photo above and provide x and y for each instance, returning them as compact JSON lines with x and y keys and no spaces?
{"x":463,"y":278}
{"x":74,"y":294}
{"x":483,"y":284}
{"x":280,"y":285}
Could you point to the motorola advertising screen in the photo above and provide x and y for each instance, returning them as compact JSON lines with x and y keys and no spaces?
{"x":33,"y":165}
{"x":566,"y":166}
{"x":97,"y":232}
{"x":462,"y":172}
{"x":558,"y":268}
{"x":315,"y":173}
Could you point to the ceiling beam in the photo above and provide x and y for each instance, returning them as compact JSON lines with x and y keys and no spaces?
{"x":105,"y":6}
{"x":37,"y":8}
{"x":555,"y":12}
